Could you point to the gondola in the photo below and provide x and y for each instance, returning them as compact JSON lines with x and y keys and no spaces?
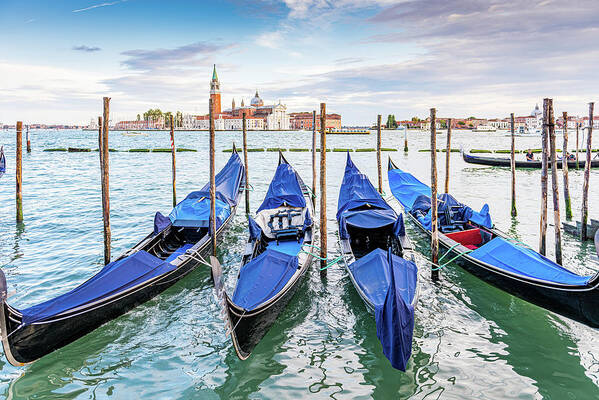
{"x":471,"y":239}
{"x":379,"y":259}
{"x":175,"y":247}
{"x":277,"y":255}
{"x":597,"y":242}
{"x":506,"y":162}
{"x":2,"y":162}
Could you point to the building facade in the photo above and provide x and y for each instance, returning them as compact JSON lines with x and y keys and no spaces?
{"x":304,"y":121}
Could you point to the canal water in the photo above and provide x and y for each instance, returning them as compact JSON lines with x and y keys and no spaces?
{"x":471,"y":340}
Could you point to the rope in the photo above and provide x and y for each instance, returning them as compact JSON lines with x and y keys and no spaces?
{"x":329,"y":264}
{"x":448,"y":250}
{"x":248,"y":187}
{"x":311,"y":192}
{"x":238,"y":321}
{"x":448,"y":262}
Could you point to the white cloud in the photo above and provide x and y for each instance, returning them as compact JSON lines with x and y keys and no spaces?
{"x":271,"y":40}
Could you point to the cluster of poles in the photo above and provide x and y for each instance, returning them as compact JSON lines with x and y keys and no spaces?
{"x":549,"y":155}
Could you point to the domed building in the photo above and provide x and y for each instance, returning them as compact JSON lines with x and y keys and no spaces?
{"x":256,"y":101}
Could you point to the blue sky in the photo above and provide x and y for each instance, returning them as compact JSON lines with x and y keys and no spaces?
{"x":361,"y":57}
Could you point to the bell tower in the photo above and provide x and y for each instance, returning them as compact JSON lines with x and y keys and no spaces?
{"x":215,"y":92}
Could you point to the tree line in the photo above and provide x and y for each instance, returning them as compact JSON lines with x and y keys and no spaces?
{"x":154,"y":115}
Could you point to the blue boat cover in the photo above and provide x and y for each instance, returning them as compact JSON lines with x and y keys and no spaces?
{"x":291,"y":247}
{"x":392,"y":295}
{"x":283,"y":189}
{"x":2,"y":162}
{"x":360,"y":205}
{"x":415,"y":198}
{"x":255,"y":229}
{"x":526,"y":262}
{"x":115,"y":277}
{"x":263,"y":277}
{"x":160,"y":222}
{"x":194,"y":210}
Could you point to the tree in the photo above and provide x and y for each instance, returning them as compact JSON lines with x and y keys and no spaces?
{"x":179,"y":119}
{"x":415,"y":119}
{"x":167,"y":119}
{"x":138,"y":117}
{"x":391,"y":124}
{"x":461,"y":123}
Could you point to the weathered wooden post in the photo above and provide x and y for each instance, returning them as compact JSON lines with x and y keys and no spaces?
{"x":378,"y":153}
{"x":174,"y":163}
{"x":405,"y":139}
{"x":577,"y":127}
{"x":28,"y":141}
{"x":544,"y":161}
{"x":434,"y":226}
{"x":19,"y":171}
{"x":447,"y":155}
{"x":554,"y":185}
{"x":105,"y":181}
{"x":323,"y":190}
{"x":513,"y":164}
{"x":314,"y":159}
{"x":212,"y":180}
{"x":245,"y":161}
{"x":565,"y":168}
{"x":587,"y":171}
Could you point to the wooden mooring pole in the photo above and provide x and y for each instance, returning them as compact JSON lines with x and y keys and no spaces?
{"x":584,"y":216}
{"x":447,"y":155}
{"x":105,"y":181}
{"x":565,"y":168}
{"x":212,"y":180}
{"x":554,"y":185}
{"x":28,"y":141}
{"x":245,"y":161}
{"x":434,"y":227}
{"x":378,"y":153}
{"x":513,"y":164}
{"x":405,"y":139}
{"x":314,"y":159}
{"x":174,"y":162}
{"x":19,"y":172}
{"x":544,"y":162}
{"x":577,"y":136}
{"x":323,"y":190}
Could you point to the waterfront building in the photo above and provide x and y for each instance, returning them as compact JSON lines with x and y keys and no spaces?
{"x":303,"y":120}
{"x":258,"y":115}
{"x":155,"y":124}
{"x":503,"y":124}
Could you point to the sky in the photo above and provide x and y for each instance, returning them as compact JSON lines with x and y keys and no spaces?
{"x":361,"y":57}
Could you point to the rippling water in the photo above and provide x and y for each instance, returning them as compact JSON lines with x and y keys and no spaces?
{"x":471,"y":340}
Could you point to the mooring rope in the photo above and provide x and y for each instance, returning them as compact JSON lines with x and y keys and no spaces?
{"x":311,"y":192}
{"x":329,"y":264}
{"x":438,"y":267}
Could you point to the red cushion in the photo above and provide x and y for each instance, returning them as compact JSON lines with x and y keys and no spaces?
{"x":467,"y":237}
{"x":471,"y":246}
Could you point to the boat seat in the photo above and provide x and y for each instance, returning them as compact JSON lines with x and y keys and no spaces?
{"x":470,"y":238}
{"x":282,"y":223}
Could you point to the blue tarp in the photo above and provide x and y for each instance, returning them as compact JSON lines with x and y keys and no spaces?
{"x":263,"y":277}
{"x":255,"y":229}
{"x":2,"y":162}
{"x":194,"y":210}
{"x":523,"y":261}
{"x":392,"y":295}
{"x":283,"y":189}
{"x":360,"y":204}
{"x":113,"y":278}
{"x":160,"y":222}
{"x":415,"y":198}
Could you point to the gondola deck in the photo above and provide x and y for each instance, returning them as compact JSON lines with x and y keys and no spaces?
{"x":149,"y":268}
{"x":576,"y":297}
{"x":379,"y":259}
{"x":274,"y":263}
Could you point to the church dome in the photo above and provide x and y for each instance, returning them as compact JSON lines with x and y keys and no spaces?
{"x":257,"y":101}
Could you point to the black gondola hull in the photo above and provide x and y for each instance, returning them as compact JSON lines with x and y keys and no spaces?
{"x":249,"y":329}
{"x":580,"y":303}
{"x":506,"y":162}
{"x":28,"y":343}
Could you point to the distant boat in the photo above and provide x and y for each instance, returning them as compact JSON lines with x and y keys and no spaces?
{"x":484,"y":128}
{"x":2,"y":162}
{"x":134,"y":133}
{"x":506,"y":162}
{"x":346,"y":131}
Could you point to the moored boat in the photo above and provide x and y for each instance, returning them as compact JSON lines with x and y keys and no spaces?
{"x":506,"y":162}
{"x":177,"y":245}
{"x":347,"y":131}
{"x":378,"y":257}
{"x":2,"y":162}
{"x":273,"y":265}
{"x":470,"y":239}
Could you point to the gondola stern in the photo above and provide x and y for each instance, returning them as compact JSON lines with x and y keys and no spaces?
{"x":391,"y":165}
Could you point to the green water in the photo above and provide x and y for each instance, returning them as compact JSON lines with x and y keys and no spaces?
{"x":471,"y":340}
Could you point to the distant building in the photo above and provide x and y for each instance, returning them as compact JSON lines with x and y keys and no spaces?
{"x":303,"y":120}
{"x":156,"y":124}
{"x":258,"y":115}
